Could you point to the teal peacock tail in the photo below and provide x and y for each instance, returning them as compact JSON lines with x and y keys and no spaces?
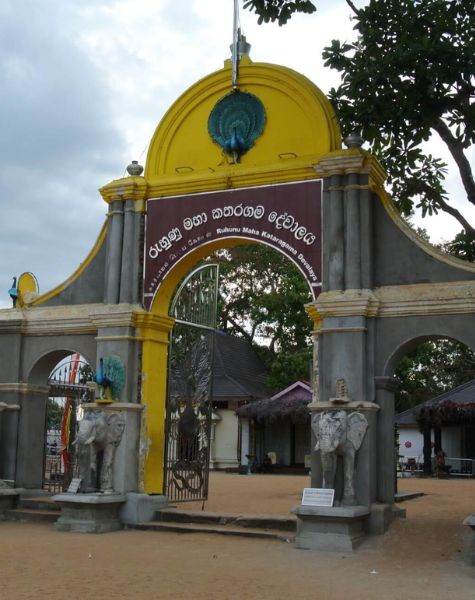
{"x":114,"y":370}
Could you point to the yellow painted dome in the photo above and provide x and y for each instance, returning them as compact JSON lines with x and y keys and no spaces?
{"x":300,"y":128}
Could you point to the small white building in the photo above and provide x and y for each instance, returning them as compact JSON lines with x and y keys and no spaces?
{"x":450,"y":419}
{"x":277,"y":429}
{"x":239,"y":377}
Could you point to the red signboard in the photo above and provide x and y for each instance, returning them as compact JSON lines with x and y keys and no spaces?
{"x":285,"y":216}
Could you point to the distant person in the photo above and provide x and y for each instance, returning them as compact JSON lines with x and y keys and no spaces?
{"x":442,"y":468}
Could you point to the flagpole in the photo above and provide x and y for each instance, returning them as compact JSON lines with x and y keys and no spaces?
{"x":235,"y":59}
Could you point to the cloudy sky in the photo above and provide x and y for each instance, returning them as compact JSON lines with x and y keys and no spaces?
{"x":83,"y":86}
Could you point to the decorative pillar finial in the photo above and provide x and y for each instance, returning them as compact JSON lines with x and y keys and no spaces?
{"x":134,"y":169}
{"x":354,"y":140}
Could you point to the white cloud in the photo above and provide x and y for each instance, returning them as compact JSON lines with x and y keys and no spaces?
{"x":83,"y":86}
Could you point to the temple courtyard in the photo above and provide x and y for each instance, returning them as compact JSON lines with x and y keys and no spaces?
{"x":419,"y":558}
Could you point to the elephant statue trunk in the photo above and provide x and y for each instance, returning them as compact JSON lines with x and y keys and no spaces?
{"x":99,"y":434}
{"x":339,"y":433}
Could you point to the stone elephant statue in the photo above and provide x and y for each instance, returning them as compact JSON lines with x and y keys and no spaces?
{"x":339,"y":433}
{"x":98,"y":436}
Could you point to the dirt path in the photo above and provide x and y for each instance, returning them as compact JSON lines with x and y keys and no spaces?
{"x":418,"y":559}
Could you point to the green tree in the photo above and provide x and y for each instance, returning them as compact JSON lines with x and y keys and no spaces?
{"x":261,"y":299}
{"x":463,"y":246}
{"x":54,"y":414}
{"x":434,"y":367}
{"x":279,"y":10}
{"x":409,"y":73}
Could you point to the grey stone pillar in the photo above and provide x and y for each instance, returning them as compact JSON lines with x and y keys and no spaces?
{"x":129,"y":254}
{"x":9,"y":418}
{"x":366,"y":234}
{"x":31,"y":436}
{"x":385,"y":388}
{"x":114,"y":252}
{"x":333,"y":246}
{"x":353,"y":233}
{"x":137,"y":266}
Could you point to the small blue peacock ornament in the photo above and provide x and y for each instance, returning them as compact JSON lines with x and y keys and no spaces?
{"x":235,"y":123}
{"x":13,"y":292}
{"x":110,"y":378}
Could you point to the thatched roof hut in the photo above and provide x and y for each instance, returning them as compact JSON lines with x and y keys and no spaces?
{"x":455,"y":407}
{"x":290,"y":404}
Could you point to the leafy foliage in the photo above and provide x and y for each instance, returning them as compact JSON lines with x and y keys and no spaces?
{"x":462,"y":246}
{"x":54,"y":411}
{"x":278,"y":10}
{"x":409,"y":73}
{"x":85,"y":374}
{"x":433,"y":368}
{"x":261,"y":298}
{"x":289,"y":366}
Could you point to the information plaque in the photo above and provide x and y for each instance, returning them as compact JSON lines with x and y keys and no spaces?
{"x":317,"y":497}
{"x":74,"y":485}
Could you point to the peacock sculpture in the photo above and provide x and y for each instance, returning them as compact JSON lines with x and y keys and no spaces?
{"x":236,"y":122}
{"x":235,"y":145}
{"x":110,"y":378}
{"x":13,"y":292}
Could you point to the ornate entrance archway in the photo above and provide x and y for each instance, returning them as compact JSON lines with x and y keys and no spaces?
{"x":204,"y":184}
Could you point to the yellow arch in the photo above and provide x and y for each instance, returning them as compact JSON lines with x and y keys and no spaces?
{"x":300,"y":129}
{"x":155,"y":357}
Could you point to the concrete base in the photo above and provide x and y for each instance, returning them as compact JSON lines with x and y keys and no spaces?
{"x":141,"y":508}
{"x":337,"y":529}
{"x":469,"y":549}
{"x":398,"y":512}
{"x":89,"y":513}
{"x":379,"y":519}
{"x":8,"y":500}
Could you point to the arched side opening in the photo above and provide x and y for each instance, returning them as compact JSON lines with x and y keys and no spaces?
{"x":409,"y":345}
{"x":70,"y":385}
{"x":46,"y":427}
{"x":393,"y":338}
{"x":43,"y":367}
{"x":435,"y":407}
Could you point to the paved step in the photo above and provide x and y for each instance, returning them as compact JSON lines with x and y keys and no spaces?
{"x":38,"y":503}
{"x":403,"y":496}
{"x":219,"y":529}
{"x":254,"y":521}
{"x":31,"y":515}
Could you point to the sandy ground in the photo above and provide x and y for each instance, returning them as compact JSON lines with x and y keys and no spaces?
{"x":418,"y":559}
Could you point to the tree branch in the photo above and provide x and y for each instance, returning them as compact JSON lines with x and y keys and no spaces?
{"x":457,"y":215}
{"x":235,"y":324}
{"x":353,"y":7}
{"x":456,"y":150}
